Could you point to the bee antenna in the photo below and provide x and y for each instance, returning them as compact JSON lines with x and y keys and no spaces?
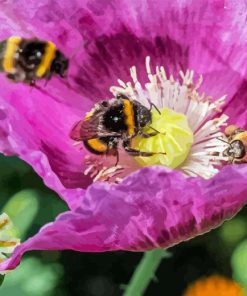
{"x":155,"y":129}
{"x":224,"y":141}
{"x":153,"y":105}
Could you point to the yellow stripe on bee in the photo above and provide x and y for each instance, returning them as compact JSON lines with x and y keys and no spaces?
{"x":47,"y":59}
{"x":9,"y":55}
{"x":129,"y":117}
{"x":97,"y":145}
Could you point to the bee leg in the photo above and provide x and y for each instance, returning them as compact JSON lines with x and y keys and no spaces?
{"x":13,"y":77}
{"x":18,"y":76}
{"x":236,"y":161}
{"x":135,"y":152}
{"x":148,"y":135}
{"x":32,"y":83}
{"x":112,"y":149}
{"x":155,"y":107}
{"x":114,"y":152}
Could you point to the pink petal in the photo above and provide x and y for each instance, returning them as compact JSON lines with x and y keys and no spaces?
{"x":153,"y":208}
{"x":37,"y":130}
{"x":103,"y":39}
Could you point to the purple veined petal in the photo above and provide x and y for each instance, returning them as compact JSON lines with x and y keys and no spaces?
{"x":37,"y":130}
{"x":177,"y":36}
{"x":180,"y":35}
{"x":236,"y":108}
{"x":153,"y":208}
{"x":114,"y":37}
{"x":183,"y":35}
{"x":6,"y":147}
{"x":111,"y":36}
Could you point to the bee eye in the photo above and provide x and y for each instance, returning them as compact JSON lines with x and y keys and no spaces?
{"x":115,"y":119}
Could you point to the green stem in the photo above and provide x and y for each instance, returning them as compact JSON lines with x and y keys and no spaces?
{"x":145,"y":272}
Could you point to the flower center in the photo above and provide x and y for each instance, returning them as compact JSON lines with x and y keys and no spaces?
{"x":189,"y":127}
{"x":175,"y":139}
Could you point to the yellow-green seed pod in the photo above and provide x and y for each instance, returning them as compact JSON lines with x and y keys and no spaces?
{"x":175,"y":139}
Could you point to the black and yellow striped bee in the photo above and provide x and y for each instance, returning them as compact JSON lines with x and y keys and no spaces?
{"x":111,"y":122}
{"x":26,"y":60}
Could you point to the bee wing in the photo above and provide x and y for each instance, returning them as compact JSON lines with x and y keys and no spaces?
{"x":85,"y":129}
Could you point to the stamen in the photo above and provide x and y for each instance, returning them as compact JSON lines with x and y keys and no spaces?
{"x":7,"y":241}
{"x":174,"y":139}
{"x":98,"y":170}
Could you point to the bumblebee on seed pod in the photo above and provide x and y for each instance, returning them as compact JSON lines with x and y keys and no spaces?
{"x":26,"y":60}
{"x":111,"y":122}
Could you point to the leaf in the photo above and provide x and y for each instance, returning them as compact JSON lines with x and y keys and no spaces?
{"x":22,"y":209}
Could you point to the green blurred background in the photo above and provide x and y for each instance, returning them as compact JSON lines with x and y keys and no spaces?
{"x":25,"y":198}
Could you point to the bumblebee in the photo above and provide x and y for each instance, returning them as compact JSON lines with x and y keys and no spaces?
{"x":26,"y":60}
{"x":237,"y":140}
{"x":111,"y":122}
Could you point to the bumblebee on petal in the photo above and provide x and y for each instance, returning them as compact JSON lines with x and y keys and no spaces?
{"x":26,"y":60}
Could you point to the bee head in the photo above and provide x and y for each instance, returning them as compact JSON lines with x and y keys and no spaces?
{"x":143,"y":115}
{"x":60,"y":64}
{"x":235,"y":150}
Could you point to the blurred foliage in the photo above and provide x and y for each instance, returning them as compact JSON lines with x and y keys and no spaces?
{"x":31,"y":205}
{"x":2,"y":276}
{"x":233,"y":231}
{"x":239,"y":263}
{"x":32,"y":278}
{"x":22,"y":208}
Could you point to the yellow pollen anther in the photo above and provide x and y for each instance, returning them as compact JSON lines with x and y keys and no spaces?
{"x":175,"y":139}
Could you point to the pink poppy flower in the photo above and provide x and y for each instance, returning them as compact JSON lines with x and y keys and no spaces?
{"x":151,"y":207}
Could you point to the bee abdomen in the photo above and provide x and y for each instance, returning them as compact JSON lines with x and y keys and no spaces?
{"x":2,"y":52}
{"x":49,"y":55}
{"x":8,"y":50}
{"x":96,"y":146}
